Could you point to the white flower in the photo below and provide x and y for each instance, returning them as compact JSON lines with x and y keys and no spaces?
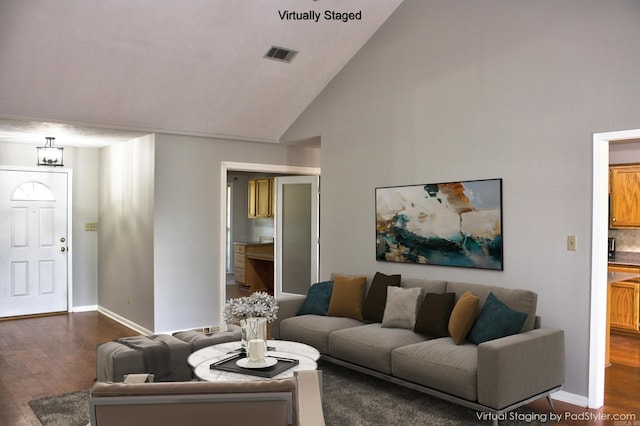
{"x":258,"y":304}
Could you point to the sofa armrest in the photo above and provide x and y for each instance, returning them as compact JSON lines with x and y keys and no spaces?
{"x":514,"y":368}
{"x":287,"y":308}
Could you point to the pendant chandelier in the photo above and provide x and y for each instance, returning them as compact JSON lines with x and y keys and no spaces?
{"x":49,"y":155}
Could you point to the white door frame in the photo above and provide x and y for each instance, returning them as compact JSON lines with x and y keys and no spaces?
{"x":69,"y":257}
{"x":225,"y":167}
{"x":599,"y":232}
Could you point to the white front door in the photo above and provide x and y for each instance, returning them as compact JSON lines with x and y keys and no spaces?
{"x":297,"y":240}
{"x":33,"y":242}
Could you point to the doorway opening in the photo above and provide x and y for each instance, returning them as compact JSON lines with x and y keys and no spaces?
{"x":228,"y":168}
{"x":599,"y":239}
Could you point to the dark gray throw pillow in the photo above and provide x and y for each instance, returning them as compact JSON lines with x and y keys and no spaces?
{"x":433,"y":317}
{"x":317,"y":300}
{"x":376,"y":300}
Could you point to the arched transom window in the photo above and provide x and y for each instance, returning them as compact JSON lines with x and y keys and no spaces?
{"x":33,"y":191}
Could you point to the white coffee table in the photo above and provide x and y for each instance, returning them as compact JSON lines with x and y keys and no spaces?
{"x":201,"y":360}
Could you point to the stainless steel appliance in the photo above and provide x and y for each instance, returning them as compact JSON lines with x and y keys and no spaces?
{"x":612,"y":248}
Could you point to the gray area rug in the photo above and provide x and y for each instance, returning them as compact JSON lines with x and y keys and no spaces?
{"x":68,"y":409}
{"x":349,"y":399}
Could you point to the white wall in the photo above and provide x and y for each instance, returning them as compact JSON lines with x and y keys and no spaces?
{"x":85,"y":165}
{"x":453,"y":90}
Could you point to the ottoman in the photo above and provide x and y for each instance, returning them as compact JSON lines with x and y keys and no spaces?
{"x":198,"y":340}
{"x":116,"y":359}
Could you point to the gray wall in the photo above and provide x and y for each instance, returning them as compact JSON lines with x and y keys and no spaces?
{"x":454,"y":90}
{"x":126,"y":230}
{"x":187,"y":222}
{"x":85,"y":166}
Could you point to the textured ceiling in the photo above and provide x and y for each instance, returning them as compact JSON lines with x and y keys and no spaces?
{"x":112,"y":68}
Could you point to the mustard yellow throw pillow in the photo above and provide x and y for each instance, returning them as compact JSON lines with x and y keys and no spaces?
{"x":347,"y":297}
{"x":463,"y":316}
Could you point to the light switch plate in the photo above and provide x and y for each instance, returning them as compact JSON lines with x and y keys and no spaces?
{"x":571,"y":242}
{"x":91,"y":226}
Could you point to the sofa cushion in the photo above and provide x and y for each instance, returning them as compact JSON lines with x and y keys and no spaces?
{"x":519,"y":300}
{"x":317,"y":300}
{"x":463,"y":316}
{"x":347,"y":297}
{"x":496,"y":320}
{"x":439,"y":364}
{"x":433,"y":316}
{"x":314,"y":330}
{"x":376,"y":300}
{"x":402,"y":307}
{"x":370,"y":345}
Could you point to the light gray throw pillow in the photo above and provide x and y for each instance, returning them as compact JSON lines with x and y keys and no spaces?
{"x":402,"y":307}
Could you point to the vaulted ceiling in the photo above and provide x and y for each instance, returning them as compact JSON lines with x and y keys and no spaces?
{"x":98,"y":71}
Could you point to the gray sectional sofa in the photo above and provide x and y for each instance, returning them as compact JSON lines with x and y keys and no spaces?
{"x":495,"y":376}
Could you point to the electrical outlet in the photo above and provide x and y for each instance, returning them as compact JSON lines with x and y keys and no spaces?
{"x":571,"y":242}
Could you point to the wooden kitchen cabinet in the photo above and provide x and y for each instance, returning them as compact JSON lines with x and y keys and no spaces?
{"x":253,"y":266}
{"x":239,"y":270}
{"x":261,"y":198}
{"x":624,"y":302}
{"x":624,"y":188}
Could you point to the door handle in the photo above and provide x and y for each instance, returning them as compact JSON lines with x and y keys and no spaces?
{"x":63,"y":249}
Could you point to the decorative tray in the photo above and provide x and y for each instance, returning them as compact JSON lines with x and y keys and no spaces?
{"x":230,"y":364}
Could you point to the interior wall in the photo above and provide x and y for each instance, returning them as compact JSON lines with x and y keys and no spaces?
{"x":187,"y":222}
{"x":624,"y":152}
{"x":125,"y":248}
{"x":85,"y":165}
{"x":452,"y":90}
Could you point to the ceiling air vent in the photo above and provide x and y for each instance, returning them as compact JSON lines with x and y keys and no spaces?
{"x":281,"y":54}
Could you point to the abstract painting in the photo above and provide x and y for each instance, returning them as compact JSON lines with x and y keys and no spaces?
{"x":447,"y":224}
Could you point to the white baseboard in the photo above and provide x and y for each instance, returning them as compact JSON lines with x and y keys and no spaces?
{"x":132,"y":325}
{"x":570,"y":398}
{"x":122,"y":320}
{"x":86,"y":308}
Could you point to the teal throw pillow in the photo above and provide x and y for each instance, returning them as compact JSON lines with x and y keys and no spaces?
{"x":317,"y":300}
{"x":496,"y":320}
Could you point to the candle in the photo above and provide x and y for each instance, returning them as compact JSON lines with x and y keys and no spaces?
{"x":256,"y":350}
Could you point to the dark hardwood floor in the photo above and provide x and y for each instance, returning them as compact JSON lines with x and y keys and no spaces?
{"x":622,"y":390}
{"x":56,"y":354}
{"x":47,"y":356}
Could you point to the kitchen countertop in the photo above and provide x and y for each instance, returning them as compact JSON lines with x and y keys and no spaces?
{"x":615,"y":277}
{"x":254,"y":243}
{"x":626,"y":258}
